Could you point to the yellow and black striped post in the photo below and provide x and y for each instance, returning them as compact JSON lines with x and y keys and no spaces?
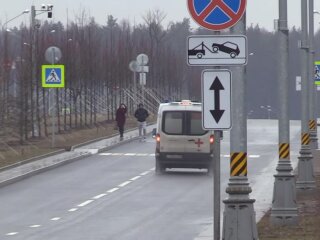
{"x":312,"y":124}
{"x":305,"y":138}
{"x":238,"y":165}
{"x":284,"y":151}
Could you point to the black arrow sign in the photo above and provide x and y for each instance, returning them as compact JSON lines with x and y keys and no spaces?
{"x":216,"y":86}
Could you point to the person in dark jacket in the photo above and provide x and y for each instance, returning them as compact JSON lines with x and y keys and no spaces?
{"x":121,"y":118}
{"x":141,"y":114}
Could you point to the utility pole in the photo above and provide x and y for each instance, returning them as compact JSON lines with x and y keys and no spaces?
{"x":306,"y":177}
{"x":33,"y":65}
{"x":34,"y":26}
{"x":284,"y":208}
{"x":313,"y":89}
{"x":239,"y":215}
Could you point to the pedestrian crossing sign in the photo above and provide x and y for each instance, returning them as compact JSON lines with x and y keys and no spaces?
{"x":53,"y":76}
{"x":317,"y":72}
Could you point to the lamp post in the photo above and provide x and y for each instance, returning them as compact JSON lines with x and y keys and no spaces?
{"x":34,"y":26}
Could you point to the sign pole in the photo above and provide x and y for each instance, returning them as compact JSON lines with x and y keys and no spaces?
{"x":216,"y":108}
{"x":216,"y":185}
{"x":53,"y":112}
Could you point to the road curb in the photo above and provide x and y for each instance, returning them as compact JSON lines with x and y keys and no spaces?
{"x":41,"y":169}
{"x":54,"y":164}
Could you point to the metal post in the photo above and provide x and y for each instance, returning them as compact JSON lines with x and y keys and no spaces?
{"x":134,"y":88}
{"x":216,"y":185}
{"x":284,"y":208}
{"x":53,"y":111}
{"x":312,"y":87}
{"x":305,"y":166}
{"x":33,"y":62}
{"x":239,"y":216}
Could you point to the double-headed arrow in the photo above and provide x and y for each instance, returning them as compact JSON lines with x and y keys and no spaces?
{"x":216,"y":86}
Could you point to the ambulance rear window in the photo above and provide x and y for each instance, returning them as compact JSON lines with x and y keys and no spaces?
{"x":182,"y":123}
{"x":173,"y":122}
{"x":195,"y":127}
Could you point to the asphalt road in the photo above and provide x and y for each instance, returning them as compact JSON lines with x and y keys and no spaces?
{"x":117,"y":196}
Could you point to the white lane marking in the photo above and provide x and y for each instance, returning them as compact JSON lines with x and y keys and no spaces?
{"x":130,"y":154}
{"x":85,"y":203}
{"x":226,"y":155}
{"x":105,"y":154}
{"x":112,"y":190}
{"x":72,"y":209}
{"x":55,"y":219}
{"x":35,"y":226}
{"x":254,"y":156}
{"x":145,"y":173}
{"x":142,"y":154}
{"x":12,"y":233}
{"x":99,"y":196}
{"x":124,"y":184}
{"x":135,"y":178}
{"x":117,"y":154}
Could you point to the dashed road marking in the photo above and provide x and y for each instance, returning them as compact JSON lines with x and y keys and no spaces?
{"x":72,"y":209}
{"x":35,"y":226}
{"x":135,"y":178}
{"x":105,"y":154}
{"x":130,"y":154}
{"x":12,"y":233}
{"x":145,"y":173}
{"x":112,"y":190}
{"x":85,"y":203}
{"x":124,"y":183}
{"x":117,"y":154}
{"x":99,"y":196}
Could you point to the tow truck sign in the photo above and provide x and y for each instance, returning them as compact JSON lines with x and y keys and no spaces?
{"x":217,"y":50}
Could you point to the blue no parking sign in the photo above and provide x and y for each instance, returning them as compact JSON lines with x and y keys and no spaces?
{"x":217,"y":15}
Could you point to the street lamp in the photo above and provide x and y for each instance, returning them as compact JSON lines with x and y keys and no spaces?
{"x":24,"y":12}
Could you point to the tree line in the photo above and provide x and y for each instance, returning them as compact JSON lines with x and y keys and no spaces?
{"x":98,"y":78}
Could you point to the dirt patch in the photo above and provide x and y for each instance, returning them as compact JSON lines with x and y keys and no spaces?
{"x":308,"y":203}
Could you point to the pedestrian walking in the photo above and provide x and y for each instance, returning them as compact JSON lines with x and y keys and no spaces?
{"x":141,"y":114}
{"x":121,"y":119}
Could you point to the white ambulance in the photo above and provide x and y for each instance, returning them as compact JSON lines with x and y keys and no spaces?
{"x":180,"y":140}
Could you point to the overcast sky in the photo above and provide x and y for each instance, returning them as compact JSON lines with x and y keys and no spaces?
{"x":262,"y":12}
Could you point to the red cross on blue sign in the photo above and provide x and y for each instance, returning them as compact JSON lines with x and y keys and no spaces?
{"x":217,"y":14}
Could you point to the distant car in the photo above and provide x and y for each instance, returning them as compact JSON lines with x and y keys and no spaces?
{"x":227,"y":47}
{"x":199,"y":53}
